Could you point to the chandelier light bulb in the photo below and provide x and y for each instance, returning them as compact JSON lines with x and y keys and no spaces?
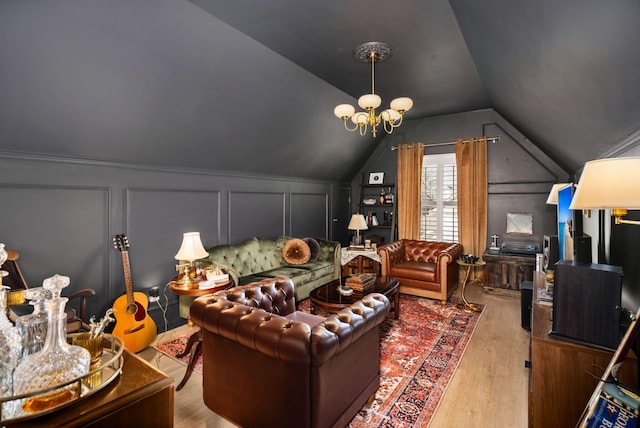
{"x":390,"y":115}
{"x":401,"y":104}
{"x":360,"y":118}
{"x":344,"y":111}
{"x":369,"y":101}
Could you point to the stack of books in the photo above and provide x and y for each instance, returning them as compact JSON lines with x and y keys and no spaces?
{"x":360,"y":282}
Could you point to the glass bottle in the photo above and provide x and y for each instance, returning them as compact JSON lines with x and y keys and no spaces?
{"x":381,"y":199}
{"x":57,"y":362}
{"x":33,"y":327}
{"x":10,"y":344}
{"x":388,"y":197}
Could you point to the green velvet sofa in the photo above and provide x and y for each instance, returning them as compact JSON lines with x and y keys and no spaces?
{"x":259,"y":258}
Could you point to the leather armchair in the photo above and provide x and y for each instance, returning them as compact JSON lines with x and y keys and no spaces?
{"x":424,"y":268}
{"x":267,"y":365}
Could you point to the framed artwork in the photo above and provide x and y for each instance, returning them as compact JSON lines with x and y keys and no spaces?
{"x":376,"y":177}
{"x":520,"y":223}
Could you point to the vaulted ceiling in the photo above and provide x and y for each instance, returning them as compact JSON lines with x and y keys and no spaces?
{"x":250,"y":86}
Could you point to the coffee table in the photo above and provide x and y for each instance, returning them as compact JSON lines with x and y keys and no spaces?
{"x":328,"y":298}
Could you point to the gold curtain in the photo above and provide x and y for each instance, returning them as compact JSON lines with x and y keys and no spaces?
{"x":409,"y":190}
{"x":471,"y":162}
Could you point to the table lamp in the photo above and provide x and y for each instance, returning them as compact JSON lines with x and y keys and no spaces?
{"x":609,"y":183}
{"x":190,"y":250}
{"x":357,"y":223}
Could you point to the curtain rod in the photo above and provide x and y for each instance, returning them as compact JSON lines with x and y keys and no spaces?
{"x":489,"y":139}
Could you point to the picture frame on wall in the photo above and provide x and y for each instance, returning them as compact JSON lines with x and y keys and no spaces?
{"x":376,"y":177}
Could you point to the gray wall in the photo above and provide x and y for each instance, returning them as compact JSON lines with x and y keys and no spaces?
{"x":520,"y":175}
{"x":61,"y":216}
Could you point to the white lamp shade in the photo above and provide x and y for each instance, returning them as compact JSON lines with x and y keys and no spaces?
{"x":609,"y":183}
{"x":553,"y":195}
{"x":390,"y":115}
{"x":191,"y":248}
{"x":344,"y":111}
{"x":369,"y":101}
{"x":360,"y":118}
{"x":401,"y":104}
{"x":357,"y":222}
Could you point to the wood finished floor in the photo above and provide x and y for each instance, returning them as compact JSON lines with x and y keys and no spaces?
{"x":489,"y":389}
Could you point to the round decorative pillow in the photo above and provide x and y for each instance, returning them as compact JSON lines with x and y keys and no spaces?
{"x":314,"y":247}
{"x":296,"y":252}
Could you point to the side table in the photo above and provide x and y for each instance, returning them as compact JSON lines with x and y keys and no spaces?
{"x":468,"y":306}
{"x":194,"y":344}
{"x":359,"y":261}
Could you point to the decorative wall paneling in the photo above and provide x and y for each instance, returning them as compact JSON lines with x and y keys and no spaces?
{"x":61,"y":214}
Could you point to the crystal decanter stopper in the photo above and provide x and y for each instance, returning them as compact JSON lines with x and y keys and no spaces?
{"x":33,"y":327}
{"x":57,"y":362}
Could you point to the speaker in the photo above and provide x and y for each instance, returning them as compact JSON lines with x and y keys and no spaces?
{"x":586,"y":303}
{"x":550,"y":251}
{"x":526,"y":299}
{"x":583,"y":248}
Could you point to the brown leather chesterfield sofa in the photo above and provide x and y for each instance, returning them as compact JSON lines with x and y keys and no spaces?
{"x":424,"y":268}
{"x":267,"y":365}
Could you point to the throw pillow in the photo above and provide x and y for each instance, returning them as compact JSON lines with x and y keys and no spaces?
{"x":314,"y":246}
{"x":296,"y":252}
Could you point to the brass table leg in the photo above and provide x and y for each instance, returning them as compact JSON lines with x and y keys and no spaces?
{"x":467,"y":306}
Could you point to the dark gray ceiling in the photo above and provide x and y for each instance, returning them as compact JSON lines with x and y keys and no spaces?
{"x":250,"y":86}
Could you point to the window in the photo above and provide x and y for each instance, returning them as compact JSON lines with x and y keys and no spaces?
{"x":439,"y":207}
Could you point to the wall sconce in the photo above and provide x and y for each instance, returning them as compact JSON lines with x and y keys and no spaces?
{"x":610,"y":184}
{"x":357,"y":223}
{"x":190,"y":250}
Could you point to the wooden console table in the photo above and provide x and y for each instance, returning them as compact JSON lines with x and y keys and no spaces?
{"x":563,"y":373}
{"x":507,"y":271}
{"x":142,"y":396}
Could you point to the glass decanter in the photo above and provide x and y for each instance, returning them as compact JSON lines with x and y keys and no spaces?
{"x":57,"y":362}
{"x":10,"y":344}
{"x":33,"y":327}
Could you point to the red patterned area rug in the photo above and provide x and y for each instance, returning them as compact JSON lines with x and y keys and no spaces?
{"x":420,"y":352}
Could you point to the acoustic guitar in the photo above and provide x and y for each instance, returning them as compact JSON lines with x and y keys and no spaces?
{"x":133,"y":324}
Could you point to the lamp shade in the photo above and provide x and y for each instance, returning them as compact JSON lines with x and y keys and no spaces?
{"x":609,"y":183}
{"x":401,"y":104}
{"x":357,"y":222}
{"x":369,"y":101}
{"x":191,"y":248}
{"x":553,"y":195}
{"x":344,"y":111}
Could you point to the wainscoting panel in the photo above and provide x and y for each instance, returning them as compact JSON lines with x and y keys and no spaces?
{"x":255,"y":214}
{"x":156,"y":220}
{"x":309,"y":215}
{"x":71,"y":228}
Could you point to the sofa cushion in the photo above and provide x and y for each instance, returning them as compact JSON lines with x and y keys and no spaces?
{"x":296,"y":251}
{"x":421,"y":271}
{"x":314,"y":246}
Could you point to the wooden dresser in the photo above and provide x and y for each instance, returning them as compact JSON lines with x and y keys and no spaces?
{"x":562,"y":379}
{"x":507,"y":271}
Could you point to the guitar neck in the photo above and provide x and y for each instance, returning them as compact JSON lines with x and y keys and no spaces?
{"x":128,"y":284}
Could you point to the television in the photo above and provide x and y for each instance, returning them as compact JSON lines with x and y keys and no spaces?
{"x":569,"y":224}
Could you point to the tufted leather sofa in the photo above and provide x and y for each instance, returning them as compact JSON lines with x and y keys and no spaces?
{"x":266,"y":365}
{"x":424,"y":268}
{"x":258,"y":258}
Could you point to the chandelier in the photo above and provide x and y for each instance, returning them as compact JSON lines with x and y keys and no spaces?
{"x":391,"y":118}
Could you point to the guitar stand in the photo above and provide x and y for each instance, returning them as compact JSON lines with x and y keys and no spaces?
{"x":194,"y":345}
